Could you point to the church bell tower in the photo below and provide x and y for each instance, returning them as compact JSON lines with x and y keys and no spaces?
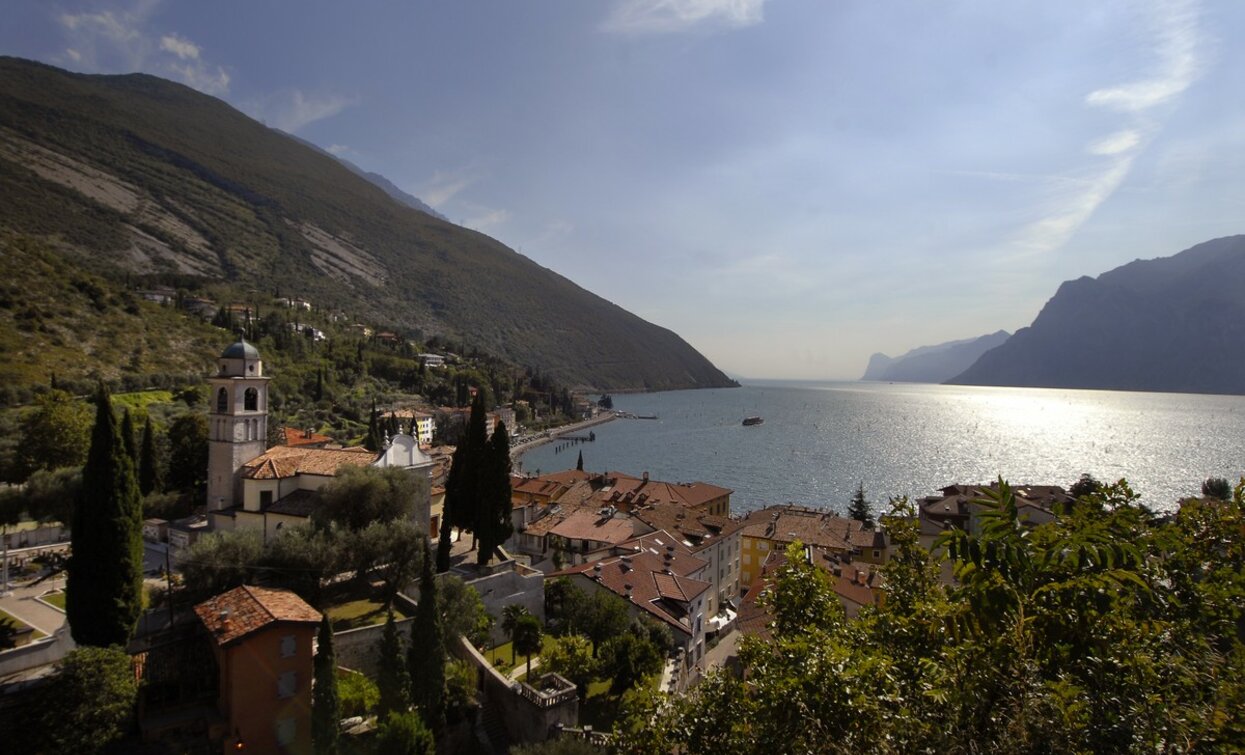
{"x":237,"y":421}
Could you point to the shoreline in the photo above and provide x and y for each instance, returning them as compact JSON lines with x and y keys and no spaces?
{"x":549,"y":436}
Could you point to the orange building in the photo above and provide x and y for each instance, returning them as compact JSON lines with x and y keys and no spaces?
{"x":264,"y":644}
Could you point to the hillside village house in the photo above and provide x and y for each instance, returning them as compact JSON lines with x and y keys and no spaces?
{"x":264,"y":643}
{"x":579,"y":515}
{"x":775,"y":527}
{"x":250,"y":486}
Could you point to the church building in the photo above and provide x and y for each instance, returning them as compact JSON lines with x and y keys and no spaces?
{"x":251,"y":486}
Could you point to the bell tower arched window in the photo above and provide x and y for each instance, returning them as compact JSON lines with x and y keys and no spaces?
{"x":250,"y":400}
{"x":222,"y":401}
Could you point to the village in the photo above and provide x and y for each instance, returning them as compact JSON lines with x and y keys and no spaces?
{"x":671,"y":560}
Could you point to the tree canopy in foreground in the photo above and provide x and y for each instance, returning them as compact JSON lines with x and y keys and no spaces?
{"x":1107,"y":630}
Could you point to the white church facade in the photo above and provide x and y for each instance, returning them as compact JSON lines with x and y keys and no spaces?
{"x":253,"y":487}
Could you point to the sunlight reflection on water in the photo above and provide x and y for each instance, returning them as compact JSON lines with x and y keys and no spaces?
{"x":820,"y":439}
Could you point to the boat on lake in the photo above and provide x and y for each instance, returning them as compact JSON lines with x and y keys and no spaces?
{"x":752,"y":421}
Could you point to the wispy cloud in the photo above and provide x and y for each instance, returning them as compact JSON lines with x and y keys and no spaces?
{"x":1176,"y":48}
{"x":179,"y":46}
{"x":293,"y":109}
{"x":341,"y":150}
{"x":483,"y":218}
{"x":1120,"y":141}
{"x":665,"y":16}
{"x":1176,"y":45}
{"x":120,"y":40}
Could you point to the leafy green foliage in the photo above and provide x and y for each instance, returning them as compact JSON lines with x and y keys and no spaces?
{"x":88,"y":704}
{"x":360,"y":496}
{"x":359,"y":695}
{"x":571,"y":656}
{"x":56,"y":433}
{"x":404,"y":734}
{"x":462,"y":611}
{"x":1105,"y":630}
{"x":527,"y":637}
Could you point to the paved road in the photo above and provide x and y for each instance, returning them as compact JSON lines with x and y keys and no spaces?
{"x":21,"y":603}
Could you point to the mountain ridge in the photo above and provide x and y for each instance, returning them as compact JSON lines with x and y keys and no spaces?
{"x":136,"y":174}
{"x":932,"y":364}
{"x":1172,"y":324}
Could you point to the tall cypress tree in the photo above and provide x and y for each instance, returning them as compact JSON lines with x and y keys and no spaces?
{"x":495,"y":505}
{"x":393,"y":680}
{"x":859,"y":508}
{"x":148,"y":462}
{"x":579,"y":465}
{"x":127,"y":436}
{"x":426,"y":656}
{"x":462,"y":487}
{"x":105,"y":575}
{"x":373,"y":441}
{"x":325,"y":705}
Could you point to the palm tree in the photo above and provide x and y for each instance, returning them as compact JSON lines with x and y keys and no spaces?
{"x":527,"y":638}
{"x":510,"y":616}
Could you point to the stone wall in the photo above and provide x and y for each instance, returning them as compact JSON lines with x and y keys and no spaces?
{"x":514,"y":584}
{"x":529,"y":714}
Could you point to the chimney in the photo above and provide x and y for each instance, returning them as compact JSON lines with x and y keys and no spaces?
{"x":626,"y":563}
{"x":225,"y":624}
{"x":596,"y":570}
{"x":646,"y":476}
{"x":627,"y":588}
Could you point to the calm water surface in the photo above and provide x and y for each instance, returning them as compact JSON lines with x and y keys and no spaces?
{"x":820,"y":439}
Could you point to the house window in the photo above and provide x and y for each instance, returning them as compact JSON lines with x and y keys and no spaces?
{"x":250,"y":400}
{"x":289,"y":646}
{"x":877,"y":553}
{"x":747,"y":558}
{"x":222,"y":401}
{"x":763,"y":546}
{"x":286,"y":729}
{"x":265,"y":499}
{"x":287,"y":684}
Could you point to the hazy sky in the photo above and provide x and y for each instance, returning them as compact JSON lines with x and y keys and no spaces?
{"x":790,"y":185}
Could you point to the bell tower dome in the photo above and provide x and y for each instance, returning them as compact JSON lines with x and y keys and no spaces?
{"x":237,"y":421}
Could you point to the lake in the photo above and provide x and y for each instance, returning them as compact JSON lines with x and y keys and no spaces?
{"x":819,"y":440}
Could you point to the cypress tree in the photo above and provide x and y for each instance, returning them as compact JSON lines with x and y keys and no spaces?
{"x":495,"y":504}
{"x":148,"y":462}
{"x":462,"y":486}
{"x":426,"y":655}
{"x":393,"y":680}
{"x":325,"y":705}
{"x":444,"y":544}
{"x":105,"y":574}
{"x":373,"y":441}
{"x":127,"y":436}
{"x":579,"y":465}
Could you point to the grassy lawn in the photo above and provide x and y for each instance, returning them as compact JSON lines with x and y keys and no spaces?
{"x":500,"y":655}
{"x":21,"y":624}
{"x":55,"y":598}
{"x":360,"y":612}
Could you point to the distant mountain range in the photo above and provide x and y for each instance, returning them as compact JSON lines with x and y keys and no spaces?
{"x":137,"y":176}
{"x":932,"y":364}
{"x":1170,"y":324}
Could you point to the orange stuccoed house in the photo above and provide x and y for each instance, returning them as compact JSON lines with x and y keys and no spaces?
{"x":264,"y":644}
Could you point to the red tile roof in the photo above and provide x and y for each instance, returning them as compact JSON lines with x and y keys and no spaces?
{"x":296,"y":437}
{"x":281,"y":462}
{"x":243,"y":610}
{"x":663,"y":587}
{"x":787,"y":523}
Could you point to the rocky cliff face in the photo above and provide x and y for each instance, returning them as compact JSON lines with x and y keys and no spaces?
{"x":1170,"y":324}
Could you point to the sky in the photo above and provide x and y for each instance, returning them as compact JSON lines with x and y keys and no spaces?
{"x":790,"y":185}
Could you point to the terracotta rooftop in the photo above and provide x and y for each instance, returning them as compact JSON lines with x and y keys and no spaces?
{"x":233,"y":615}
{"x":787,"y":523}
{"x":662,"y":588}
{"x":625,"y":490}
{"x":697,"y":530}
{"x":281,"y":462}
{"x":589,"y":524}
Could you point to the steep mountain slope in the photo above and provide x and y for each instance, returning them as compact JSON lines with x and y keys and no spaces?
{"x":932,"y":364}
{"x":135,"y":173}
{"x":1169,"y":324}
